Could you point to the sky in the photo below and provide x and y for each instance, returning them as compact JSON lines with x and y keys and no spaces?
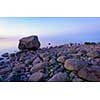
{"x":60,"y":28}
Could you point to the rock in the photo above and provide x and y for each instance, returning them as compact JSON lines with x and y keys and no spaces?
{"x":19,"y":69}
{"x":10,"y":77}
{"x":13,"y":77}
{"x":72,"y":75}
{"x":46,"y":59}
{"x":61,"y":59}
{"x":30,"y":43}
{"x":12,"y":55}
{"x":2,"y":67}
{"x":5,"y":70}
{"x":60,"y":69}
{"x":36,"y":77}
{"x":28,"y":61}
{"x":90,"y":43}
{"x":5,"y":55}
{"x":39,"y":67}
{"x":1,"y":58}
{"x":59,"y":77}
{"x":36,"y":61}
{"x":76,"y":79}
{"x":23,"y":78}
{"x":91,"y":73}
{"x":97,"y":61}
{"x":93,"y":54}
{"x":74,"y":64}
{"x":83,"y":73}
{"x":52,"y":61}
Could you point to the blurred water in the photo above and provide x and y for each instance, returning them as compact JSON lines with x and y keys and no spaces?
{"x":11,"y":44}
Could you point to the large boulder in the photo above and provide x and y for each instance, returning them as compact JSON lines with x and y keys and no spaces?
{"x":74,"y":64}
{"x":91,"y":73}
{"x":30,"y":43}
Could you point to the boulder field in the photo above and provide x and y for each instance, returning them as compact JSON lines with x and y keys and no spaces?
{"x":64,"y":63}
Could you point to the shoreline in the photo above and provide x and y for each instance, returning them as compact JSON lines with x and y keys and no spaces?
{"x":64,"y":63}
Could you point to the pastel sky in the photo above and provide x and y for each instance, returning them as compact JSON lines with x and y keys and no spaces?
{"x":63,"y":28}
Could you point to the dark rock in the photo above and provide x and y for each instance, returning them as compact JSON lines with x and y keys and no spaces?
{"x":30,"y":43}
{"x":59,"y":77}
{"x":28,"y":61}
{"x":36,"y":77}
{"x":12,"y":55}
{"x":1,"y":58}
{"x":5,"y":55}
{"x":23,"y":78}
{"x":90,"y":43}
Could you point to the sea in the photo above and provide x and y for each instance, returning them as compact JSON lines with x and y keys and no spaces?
{"x":10,"y":45}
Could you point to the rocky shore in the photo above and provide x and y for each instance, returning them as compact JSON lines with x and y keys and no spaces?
{"x":72,"y":62}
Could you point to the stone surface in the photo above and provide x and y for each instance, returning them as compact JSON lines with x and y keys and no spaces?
{"x":59,"y":77}
{"x":19,"y":69}
{"x":29,"y":43}
{"x":93,"y":54}
{"x":61,"y":59}
{"x":74,"y":65}
{"x":36,"y":77}
{"x":90,"y":73}
{"x":39,"y":67}
{"x":5,"y":70}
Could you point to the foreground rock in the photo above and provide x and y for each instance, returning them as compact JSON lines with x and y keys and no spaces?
{"x":90,"y":73}
{"x":36,"y":77}
{"x":40,"y":67}
{"x":74,"y":65}
{"x":30,"y":43}
{"x":59,"y":77}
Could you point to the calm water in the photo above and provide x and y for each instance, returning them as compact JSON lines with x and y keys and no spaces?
{"x":11,"y":45}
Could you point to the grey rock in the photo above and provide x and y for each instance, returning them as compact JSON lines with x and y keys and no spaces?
{"x":59,"y":77}
{"x":91,"y":73}
{"x":74,"y":64}
{"x":39,"y":67}
{"x":93,"y":54}
{"x":52,"y":61}
{"x":5,"y":70}
{"x":19,"y":69}
{"x":61,"y":59}
{"x":76,"y":79}
{"x":36,"y":77}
